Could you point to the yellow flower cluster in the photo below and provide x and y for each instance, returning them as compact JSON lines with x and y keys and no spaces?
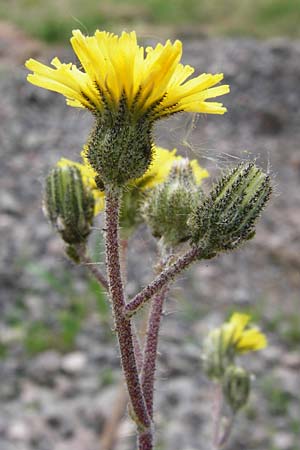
{"x":157,"y":173}
{"x":151,"y":80}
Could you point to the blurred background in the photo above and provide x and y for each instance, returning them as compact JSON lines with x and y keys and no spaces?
{"x":53,"y":21}
{"x":59,"y":365}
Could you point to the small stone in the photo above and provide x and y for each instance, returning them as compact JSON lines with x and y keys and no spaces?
{"x":10,"y":390}
{"x":18,"y":431}
{"x":289,"y":381}
{"x":74,"y":363}
{"x":65,"y":386}
{"x":45,"y":367}
{"x":283,"y":441}
{"x":127,"y":428}
{"x":35,"y":306}
{"x":291,"y":360}
{"x":104,"y":402}
{"x":273,"y":354}
{"x":9,"y":204}
{"x":84,"y":439}
{"x":58,"y":419}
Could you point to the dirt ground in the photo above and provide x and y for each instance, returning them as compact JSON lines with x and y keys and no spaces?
{"x":59,"y":399}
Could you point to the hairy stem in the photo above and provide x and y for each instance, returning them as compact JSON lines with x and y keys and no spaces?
{"x":145,"y":440}
{"x":161,"y":281}
{"x":122,"y":325}
{"x":150,"y":349}
{"x":109,"y":434}
{"x":112,"y":424}
{"x":123,"y":264}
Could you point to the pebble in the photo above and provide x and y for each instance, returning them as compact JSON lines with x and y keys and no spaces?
{"x":291,"y":360}
{"x":74,"y":363}
{"x":18,"y":431}
{"x":58,"y":418}
{"x":283,"y":441}
{"x":44,"y":367}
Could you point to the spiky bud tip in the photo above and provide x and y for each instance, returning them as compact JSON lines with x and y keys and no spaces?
{"x":226,"y":217}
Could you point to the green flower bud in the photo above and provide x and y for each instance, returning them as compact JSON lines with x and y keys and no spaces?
{"x":236,"y":387}
{"x":214,"y":354}
{"x":227,"y":216}
{"x":68,"y":204}
{"x":168,"y":206}
{"x":119,"y":148}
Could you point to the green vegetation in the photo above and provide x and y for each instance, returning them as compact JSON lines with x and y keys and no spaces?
{"x":107,"y":377}
{"x":41,"y":336}
{"x":286,"y":326}
{"x":278,"y":399}
{"x":59,"y":327}
{"x":53,"y":21}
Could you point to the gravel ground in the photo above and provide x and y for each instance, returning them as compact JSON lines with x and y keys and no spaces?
{"x":59,"y":398}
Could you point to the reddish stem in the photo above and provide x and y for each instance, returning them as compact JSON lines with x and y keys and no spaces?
{"x":145,"y":440}
{"x":122,"y":325}
{"x":161,"y":281}
{"x":150,"y":350}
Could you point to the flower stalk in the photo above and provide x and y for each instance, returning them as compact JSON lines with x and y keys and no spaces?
{"x":122,"y":325}
{"x":150,"y":350}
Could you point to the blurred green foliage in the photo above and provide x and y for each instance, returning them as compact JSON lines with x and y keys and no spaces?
{"x":53,"y":21}
{"x":278,"y":399}
{"x":58,"y":328}
{"x":107,"y":377}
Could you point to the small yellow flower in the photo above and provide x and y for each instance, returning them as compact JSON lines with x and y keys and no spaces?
{"x":224,"y":343}
{"x":242,"y":338}
{"x":157,"y":173}
{"x":152,"y":81}
{"x":161,"y":165}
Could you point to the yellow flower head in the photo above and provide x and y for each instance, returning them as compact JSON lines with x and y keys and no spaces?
{"x":161,"y":165}
{"x":115,"y":69}
{"x":232,"y":338}
{"x":238,"y":335}
{"x":157,"y":173}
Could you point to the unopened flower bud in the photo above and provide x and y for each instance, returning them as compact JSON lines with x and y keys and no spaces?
{"x":69,"y":204}
{"x":214,"y":355}
{"x":227,"y":216}
{"x":236,"y":387}
{"x":168,"y":206}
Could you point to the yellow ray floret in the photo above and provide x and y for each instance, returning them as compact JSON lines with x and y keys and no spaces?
{"x":242,"y":338}
{"x":157,"y":173}
{"x":162,"y":163}
{"x":112,"y":67}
